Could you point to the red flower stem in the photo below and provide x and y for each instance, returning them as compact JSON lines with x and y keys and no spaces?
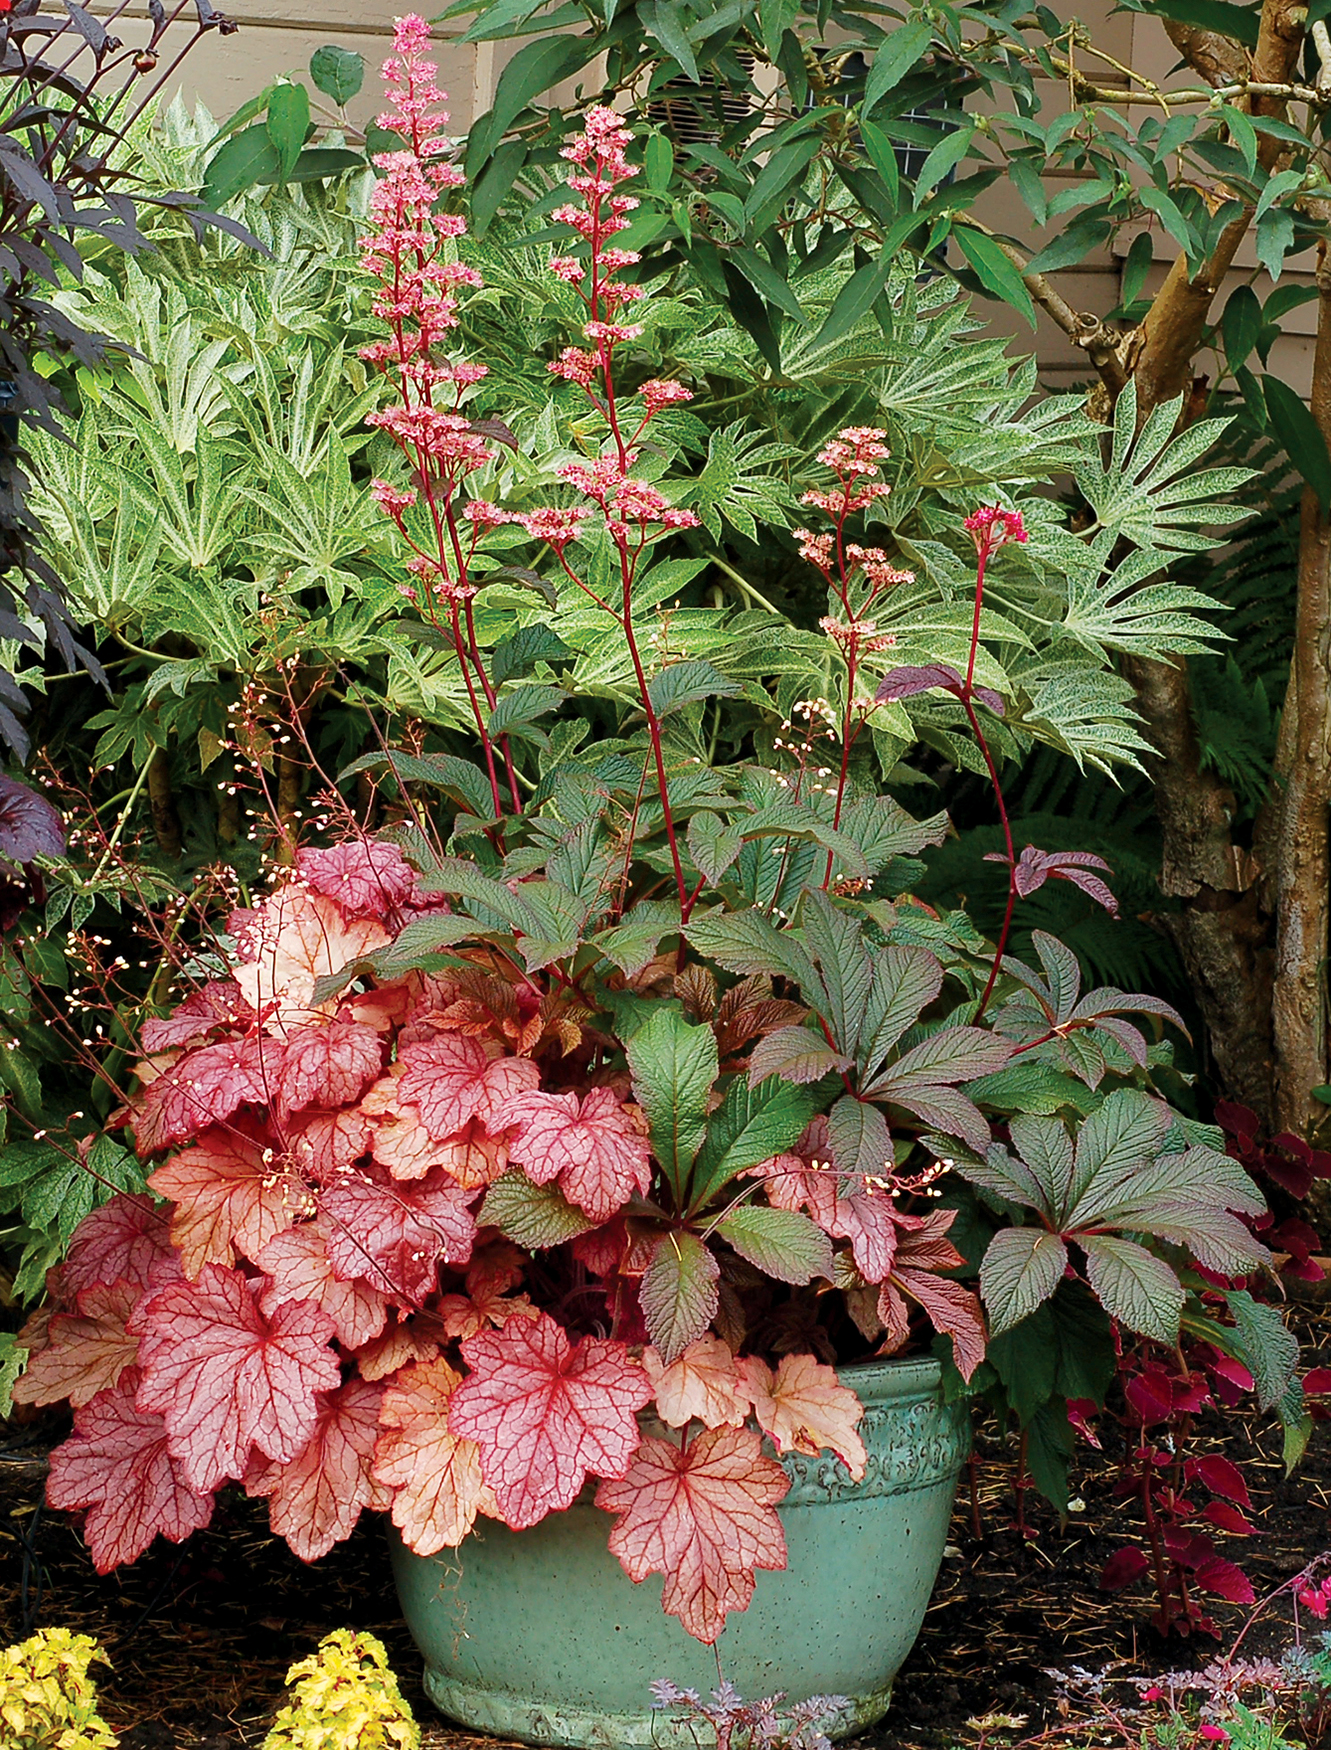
{"x":999,"y":951}
{"x":460,"y":647}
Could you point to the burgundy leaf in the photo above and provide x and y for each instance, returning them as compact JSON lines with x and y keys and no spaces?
{"x":1227,"y":1518}
{"x":1122,"y":1568}
{"x":1225,"y":1579}
{"x":1221,"y":1476}
{"x":29,"y":826}
{"x":1033,"y":868}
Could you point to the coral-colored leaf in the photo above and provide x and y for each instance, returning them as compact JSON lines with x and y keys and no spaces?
{"x":315,"y":1500}
{"x":805,"y":1408}
{"x":596,"y":1147}
{"x":369,"y":878}
{"x":418,"y":1338}
{"x":703,"y":1384}
{"x":704,"y":1515}
{"x":453,"y":1079}
{"x":393,"y":1235}
{"x":487,"y":1302}
{"x":544,"y":1412}
{"x":127,"y":1239}
{"x":326,"y":1066}
{"x":403,"y":1144}
{"x":298,"y":1267}
{"x":436,"y":1474}
{"x":288,"y":944}
{"x":86,"y":1350}
{"x":203,"y":1087}
{"x":117,"y":1465}
{"x":230,"y":1196}
{"x":218,"y":1004}
{"x":225,"y":1378}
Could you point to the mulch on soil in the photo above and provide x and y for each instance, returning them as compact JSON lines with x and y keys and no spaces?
{"x":200,"y":1637}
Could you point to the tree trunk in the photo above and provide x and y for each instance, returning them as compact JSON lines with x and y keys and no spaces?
{"x":1220,"y":931}
{"x":1299,"y":851}
{"x":166,"y":822}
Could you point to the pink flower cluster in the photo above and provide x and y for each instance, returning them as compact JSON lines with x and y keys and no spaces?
{"x":855,"y":456}
{"x":1316,"y":1599}
{"x":991,"y":526}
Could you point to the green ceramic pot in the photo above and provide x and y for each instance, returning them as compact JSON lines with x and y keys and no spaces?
{"x":540,"y":1635}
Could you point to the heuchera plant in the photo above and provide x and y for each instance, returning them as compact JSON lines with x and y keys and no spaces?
{"x":587,"y":1151}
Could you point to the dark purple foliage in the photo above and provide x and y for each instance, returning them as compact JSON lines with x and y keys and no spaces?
{"x":1035,"y":867}
{"x":904,"y":683}
{"x":29,"y":826}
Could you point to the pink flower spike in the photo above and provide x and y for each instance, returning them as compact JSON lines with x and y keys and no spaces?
{"x":658,"y":393}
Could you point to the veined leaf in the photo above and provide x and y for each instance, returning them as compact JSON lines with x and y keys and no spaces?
{"x":860,"y":1140}
{"x":679,"y":1292}
{"x":1021,"y":1269}
{"x":673,"y":1064}
{"x":779,"y":1242}
{"x":1134,"y":1286}
{"x":751,"y":1124}
{"x":531,"y":1215}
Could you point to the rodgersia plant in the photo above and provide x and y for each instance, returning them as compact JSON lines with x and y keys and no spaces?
{"x":583,"y":1135}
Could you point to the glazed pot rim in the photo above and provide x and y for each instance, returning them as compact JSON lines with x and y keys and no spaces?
{"x":893,"y":1377}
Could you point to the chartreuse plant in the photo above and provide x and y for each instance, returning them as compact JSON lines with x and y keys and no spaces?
{"x":346,"y":1698}
{"x":621,"y":1080}
{"x":48,"y":1701}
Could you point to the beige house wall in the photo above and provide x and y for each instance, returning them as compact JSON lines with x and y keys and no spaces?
{"x":279,"y":36}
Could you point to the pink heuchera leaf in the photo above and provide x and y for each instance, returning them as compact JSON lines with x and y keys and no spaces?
{"x":230,"y":1196}
{"x":202,"y":1087}
{"x":453,"y":1079}
{"x":127,"y":1239}
{"x":315,"y":1500}
{"x":298,"y":1267}
{"x":321,"y":1144}
{"x":596,"y":1147}
{"x":224,"y":1378}
{"x":288,"y":944}
{"x":805,"y":1408}
{"x":704,"y":1515}
{"x":544,"y":1412}
{"x":703,"y":1384}
{"x":436,"y":1475}
{"x":217,"y":1004}
{"x":326,"y":1066}
{"x":86,"y":1351}
{"x":401,"y":1142}
{"x":117,"y":1465}
{"x":393,"y":1235}
{"x":369,"y":878}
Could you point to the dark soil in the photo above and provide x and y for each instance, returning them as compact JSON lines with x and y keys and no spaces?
{"x":200,"y":1637}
